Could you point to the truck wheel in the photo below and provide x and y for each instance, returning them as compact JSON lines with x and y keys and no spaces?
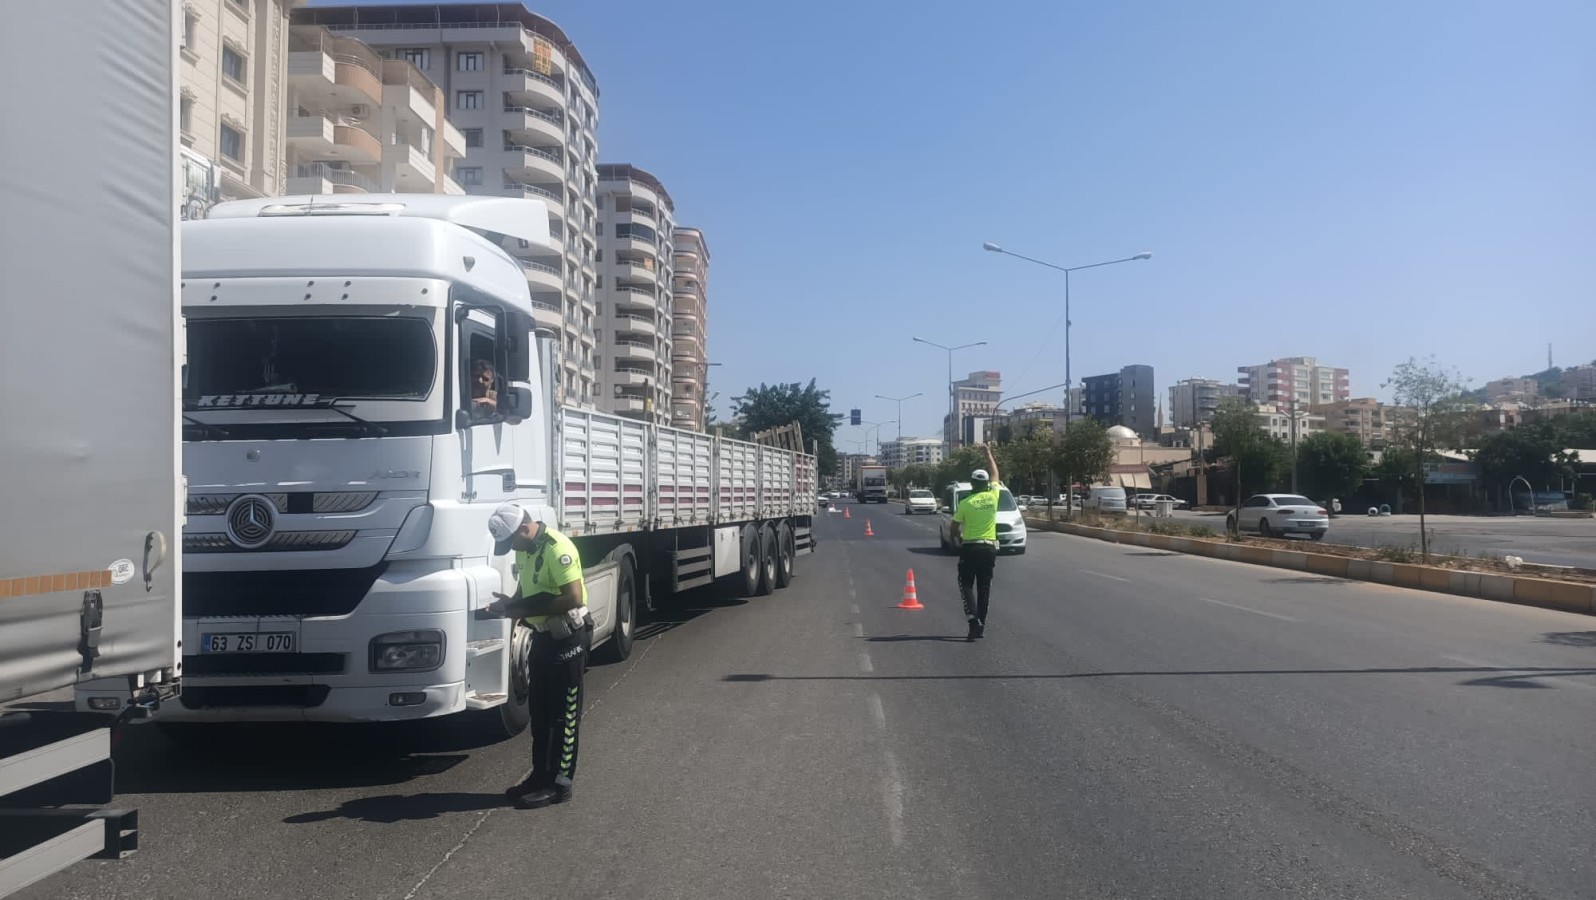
{"x":767,"y":560}
{"x":786,"y":554}
{"x":748,"y":585}
{"x":619,"y":646}
{"x":516,"y":713}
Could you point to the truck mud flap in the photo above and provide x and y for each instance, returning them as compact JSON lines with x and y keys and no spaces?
{"x":692,"y":567}
{"x":804,"y":536}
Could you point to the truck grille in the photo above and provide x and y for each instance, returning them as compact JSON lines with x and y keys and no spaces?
{"x":299,"y":696}
{"x":265,"y":664}
{"x":280,"y":542}
{"x":296,"y":502}
{"x":310,"y":592}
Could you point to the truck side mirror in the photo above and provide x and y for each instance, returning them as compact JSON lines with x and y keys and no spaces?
{"x":515,"y":336}
{"x":515,"y":402}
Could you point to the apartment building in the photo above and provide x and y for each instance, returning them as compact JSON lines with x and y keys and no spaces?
{"x":849,"y":463}
{"x":359,"y":123}
{"x":1298,"y":379}
{"x":635,"y":282}
{"x":1579,"y":383}
{"x":900,"y":452}
{"x":1366,"y":418}
{"x":1123,"y":398}
{"x":1512,"y":389}
{"x":526,"y":105}
{"x":689,"y":329}
{"x":1276,"y":420}
{"x":232,"y":76}
{"x":1193,"y":401}
{"x":975,"y":397}
{"x":1032,"y":417}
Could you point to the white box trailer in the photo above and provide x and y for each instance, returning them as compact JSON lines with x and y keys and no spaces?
{"x":341,"y":470}
{"x":90,"y":358}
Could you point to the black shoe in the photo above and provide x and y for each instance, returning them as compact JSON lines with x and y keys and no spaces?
{"x":975,"y":630}
{"x":545,"y":795}
{"x":529,"y":783}
{"x":980,"y":629}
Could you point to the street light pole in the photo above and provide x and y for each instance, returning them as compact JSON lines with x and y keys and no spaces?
{"x":899,"y":401}
{"x":1069,"y":407}
{"x":952,"y":434}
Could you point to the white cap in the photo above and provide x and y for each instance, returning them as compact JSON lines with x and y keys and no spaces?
{"x":503,"y":524}
{"x":980,"y":475}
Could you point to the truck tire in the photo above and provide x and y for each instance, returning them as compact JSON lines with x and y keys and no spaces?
{"x":767,"y":560}
{"x":514,"y":715}
{"x":748,"y":576}
{"x":786,"y":554}
{"x":619,"y":646}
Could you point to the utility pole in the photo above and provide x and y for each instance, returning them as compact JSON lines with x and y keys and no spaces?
{"x":1293,"y":442}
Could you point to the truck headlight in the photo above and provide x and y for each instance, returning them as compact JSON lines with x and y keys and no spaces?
{"x":407,"y":651}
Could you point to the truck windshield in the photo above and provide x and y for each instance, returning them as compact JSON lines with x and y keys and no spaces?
{"x":283,"y":370}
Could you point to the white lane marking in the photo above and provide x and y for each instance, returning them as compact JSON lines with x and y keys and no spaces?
{"x":1102,"y":575}
{"x":858,"y":629}
{"x":1509,"y":672}
{"x":865,"y":665}
{"x":878,"y":713}
{"x":1258,"y":612}
{"x":854,"y":609}
{"x":892,"y":797}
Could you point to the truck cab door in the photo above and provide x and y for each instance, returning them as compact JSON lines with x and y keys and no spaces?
{"x":487,"y":442}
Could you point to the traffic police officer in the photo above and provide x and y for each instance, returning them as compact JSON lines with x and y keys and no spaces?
{"x":975,"y":534}
{"x":552,"y":600}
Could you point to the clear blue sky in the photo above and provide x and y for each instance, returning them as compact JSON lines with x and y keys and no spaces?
{"x":1358,"y":181}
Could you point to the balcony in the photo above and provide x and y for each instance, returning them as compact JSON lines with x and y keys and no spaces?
{"x":323,"y":136}
{"x":536,"y":192}
{"x":529,"y":83}
{"x":629,"y":403}
{"x":528,"y":163}
{"x":320,"y":178}
{"x":625,"y":348}
{"x":338,"y":70}
{"x":628,"y":296}
{"x":589,"y":337}
{"x":636,"y":269}
{"x":542,"y":275}
{"x":413,"y":170}
{"x":546,"y":313}
{"x":535,"y":126}
{"x":633,"y":375}
{"x":637,"y":324}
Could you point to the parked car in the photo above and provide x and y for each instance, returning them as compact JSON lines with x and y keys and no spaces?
{"x":825,"y":503}
{"x":1272,"y":514}
{"x":1150,"y":501}
{"x":921,"y":501}
{"x":1010,"y":524}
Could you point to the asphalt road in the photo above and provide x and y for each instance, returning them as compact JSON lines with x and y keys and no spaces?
{"x":1136,"y":724}
{"x":1554,"y":542}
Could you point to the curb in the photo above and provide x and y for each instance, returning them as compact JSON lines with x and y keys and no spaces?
{"x":1546,"y":593}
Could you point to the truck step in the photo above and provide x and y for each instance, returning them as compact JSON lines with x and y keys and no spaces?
{"x":485,"y":701}
{"x":484,"y":648}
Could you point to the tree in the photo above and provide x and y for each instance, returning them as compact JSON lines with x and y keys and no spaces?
{"x":769,"y":406}
{"x":1084,"y":452}
{"x":1025,"y":462}
{"x":1578,"y":430}
{"x":1332,"y":465}
{"x":1534,"y":452}
{"x":1239,"y":434}
{"x":1434,"y":397}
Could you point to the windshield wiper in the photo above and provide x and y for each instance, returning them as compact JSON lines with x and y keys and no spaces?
{"x":366,"y":427}
{"x":215,"y":431}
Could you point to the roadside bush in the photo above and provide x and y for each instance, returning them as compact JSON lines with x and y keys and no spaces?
{"x":1396,"y":553}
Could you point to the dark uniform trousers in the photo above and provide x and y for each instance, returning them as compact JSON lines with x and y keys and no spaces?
{"x":976,"y":563}
{"x":556,"y":702}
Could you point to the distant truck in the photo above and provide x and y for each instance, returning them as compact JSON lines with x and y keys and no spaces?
{"x":870,"y":484}
{"x":89,"y":382}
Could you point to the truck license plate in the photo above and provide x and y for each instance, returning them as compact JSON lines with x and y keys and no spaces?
{"x":247,"y":642}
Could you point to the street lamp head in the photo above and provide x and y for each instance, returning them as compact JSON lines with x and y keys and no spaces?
{"x":991,"y":247}
{"x":1145,"y":254}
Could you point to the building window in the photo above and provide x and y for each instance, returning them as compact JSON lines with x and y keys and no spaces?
{"x":190,"y":29}
{"x":232,"y":143}
{"x":468,"y":62}
{"x":600,"y":284}
{"x":233,"y":65}
{"x":420,"y":57}
{"x":468,"y":176}
{"x":473,"y":136}
{"x":185,"y":114}
{"x":467,"y":99}
{"x":598,"y":255}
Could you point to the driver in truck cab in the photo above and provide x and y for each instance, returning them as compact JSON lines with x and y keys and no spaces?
{"x":484,"y":399}
{"x":551,"y":600}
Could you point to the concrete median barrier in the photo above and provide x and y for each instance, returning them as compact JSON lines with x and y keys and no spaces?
{"x":1547,"y":593}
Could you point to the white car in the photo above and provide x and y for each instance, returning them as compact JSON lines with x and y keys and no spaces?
{"x":1010,"y":524}
{"x":1150,"y":501}
{"x":922,"y":501}
{"x":1272,"y":514}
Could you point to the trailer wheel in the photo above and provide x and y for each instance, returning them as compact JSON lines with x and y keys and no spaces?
{"x":786,"y":553}
{"x":619,"y":646}
{"x":750,"y":568}
{"x":767,"y":560}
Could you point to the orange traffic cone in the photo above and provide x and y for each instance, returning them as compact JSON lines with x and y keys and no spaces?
{"x":847,"y":512}
{"x":868,"y":531}
{"x":911,"y":598}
